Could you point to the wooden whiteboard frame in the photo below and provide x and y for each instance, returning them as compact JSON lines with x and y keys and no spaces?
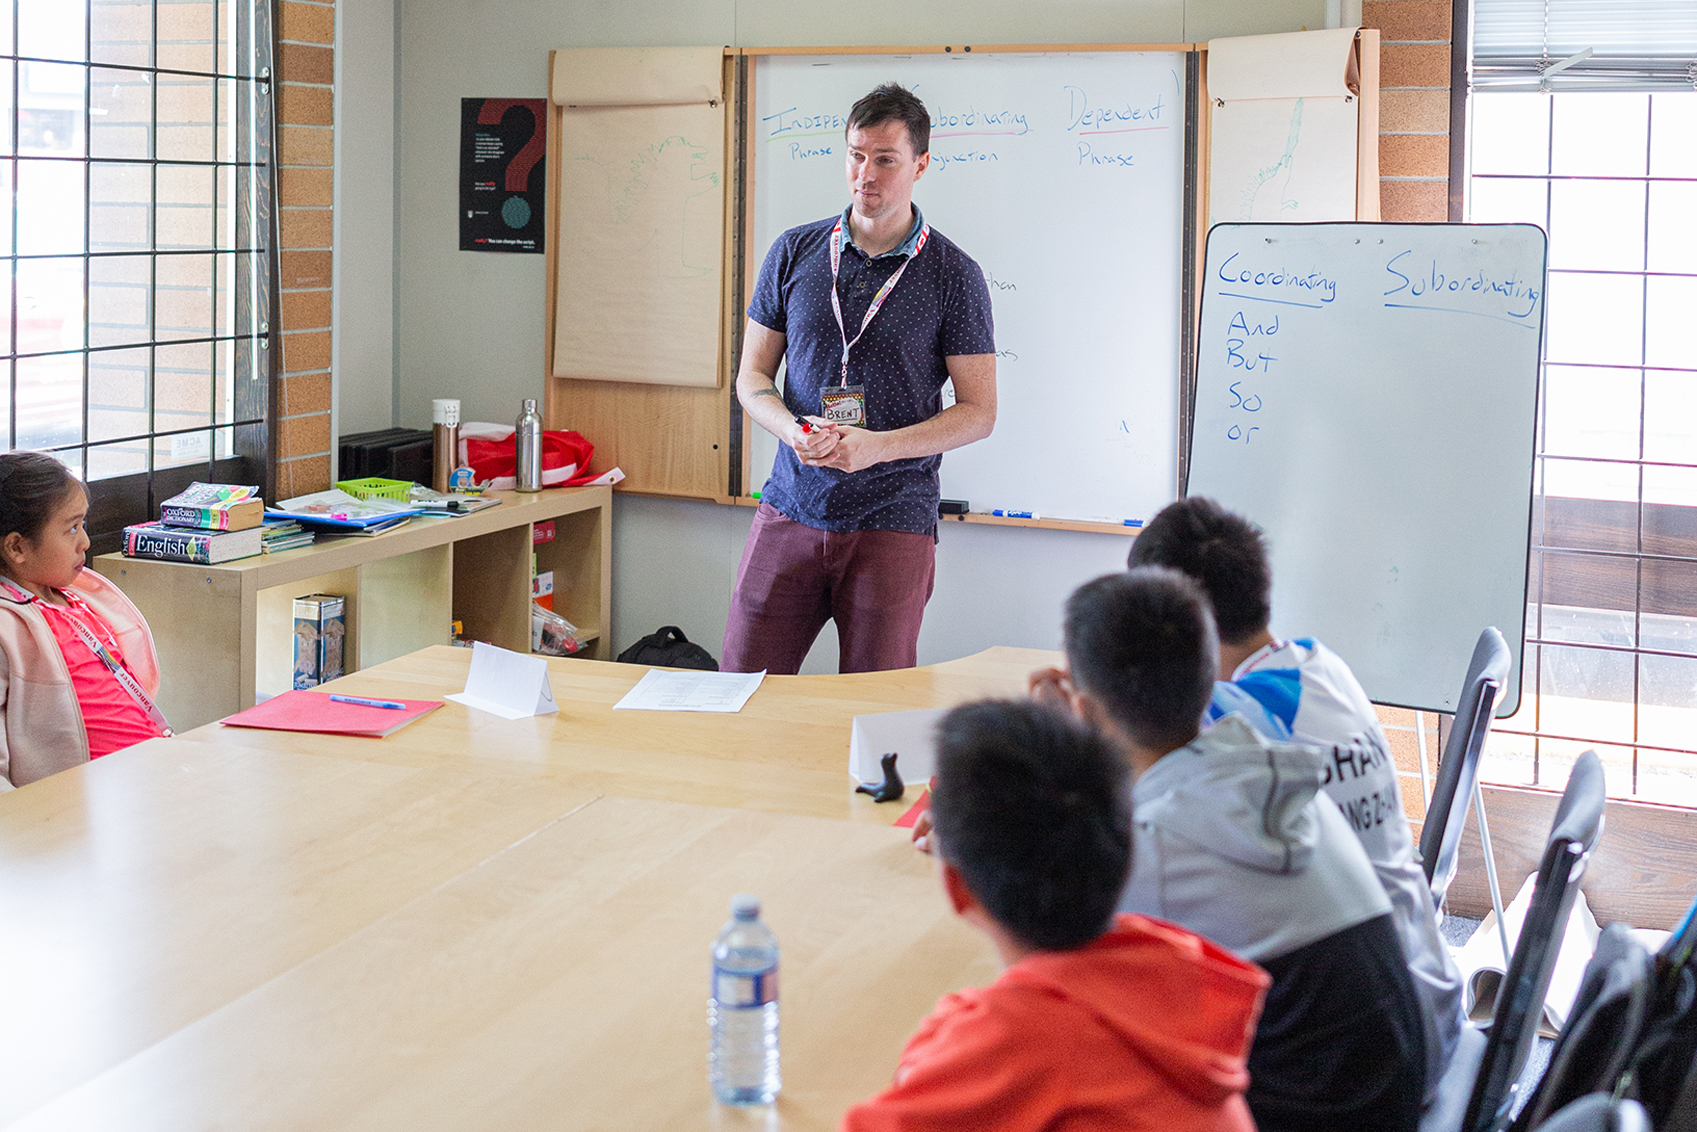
{"x":680,"y":441}
{"x":751,"y":265}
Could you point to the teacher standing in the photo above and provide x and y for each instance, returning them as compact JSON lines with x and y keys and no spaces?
{"x":872,"y":311}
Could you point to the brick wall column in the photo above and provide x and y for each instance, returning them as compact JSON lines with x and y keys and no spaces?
{"x":1414,"y":107}
{"x":306,"y":74}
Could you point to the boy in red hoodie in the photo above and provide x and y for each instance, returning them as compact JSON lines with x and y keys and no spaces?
{"x":1098,"y":1021}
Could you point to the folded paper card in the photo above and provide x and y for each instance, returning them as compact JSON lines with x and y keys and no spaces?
{"x":505,"y":683}
{"x":910,"y":734}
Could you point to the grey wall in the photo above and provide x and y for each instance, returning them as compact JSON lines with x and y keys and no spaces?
{"x":364,"y":266}
{"x":471,"y":325}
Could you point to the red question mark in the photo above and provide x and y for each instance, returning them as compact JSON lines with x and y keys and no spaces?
{"x":518,"y":170}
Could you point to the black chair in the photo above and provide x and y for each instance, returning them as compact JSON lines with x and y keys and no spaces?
{"x":1614,"y":1003}
{"x":1458,"y":767}
{"x":1598,"y":1113}
{"x":1520,"y":1004}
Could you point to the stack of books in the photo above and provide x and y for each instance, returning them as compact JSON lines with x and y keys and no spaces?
{"x":285,"y":534}
{"x":207,"y":524}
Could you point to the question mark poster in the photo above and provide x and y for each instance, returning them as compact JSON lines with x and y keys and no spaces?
{"x":502,"y":146}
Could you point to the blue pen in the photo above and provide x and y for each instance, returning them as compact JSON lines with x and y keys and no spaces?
{"x":1014,"y":514}
{"x":370,"y":703}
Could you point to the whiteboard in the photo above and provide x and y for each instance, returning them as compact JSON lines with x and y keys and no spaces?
{"x":1062,"y":175}
{"x":1367,"y":393}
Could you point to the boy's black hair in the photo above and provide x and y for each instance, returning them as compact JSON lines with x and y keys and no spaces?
{"x":1035,"y":813}
{"x":1142,"y":645}
{"x":892,"y":102}
{"x":33,"y":485}
{"x":1224,"y":552}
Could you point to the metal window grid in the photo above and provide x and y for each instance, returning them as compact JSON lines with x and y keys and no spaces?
{"x":1537,"y":639}
{"x":248,"y":151}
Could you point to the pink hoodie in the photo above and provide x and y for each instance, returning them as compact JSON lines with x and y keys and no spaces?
{"x":1147,"y":1027}
{"x":43,"y":730}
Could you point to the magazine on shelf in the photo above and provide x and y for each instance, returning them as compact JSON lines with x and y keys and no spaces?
{"x":336,"y":510}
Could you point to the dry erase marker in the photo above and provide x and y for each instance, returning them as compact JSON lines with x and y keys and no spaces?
{"x":1134,"y":522}
{"x":370,"y":703}
{"x":1016,"y":514}
{"x":807,"y":426}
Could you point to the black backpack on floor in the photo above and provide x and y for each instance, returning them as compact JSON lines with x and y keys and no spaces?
{"x":669,"y":648}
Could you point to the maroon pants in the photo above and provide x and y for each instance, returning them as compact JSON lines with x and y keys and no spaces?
{"x":794,"y":578}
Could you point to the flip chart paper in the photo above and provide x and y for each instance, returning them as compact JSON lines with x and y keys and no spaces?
{"x":505,"y":683}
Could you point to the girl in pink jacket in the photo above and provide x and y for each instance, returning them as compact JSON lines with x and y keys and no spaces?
{"x":77,"y":668}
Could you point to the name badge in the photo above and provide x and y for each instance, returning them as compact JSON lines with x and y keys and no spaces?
{"x":844,"y":405}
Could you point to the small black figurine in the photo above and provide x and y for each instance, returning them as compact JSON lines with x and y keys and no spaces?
{"x":891,"y":788}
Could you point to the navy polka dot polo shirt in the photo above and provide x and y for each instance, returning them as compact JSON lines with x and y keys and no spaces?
{"x":941,"y":307}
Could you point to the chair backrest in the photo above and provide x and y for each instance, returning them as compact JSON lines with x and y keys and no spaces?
{"x":1520,"y":1004}
{"x":1458,"y":768}
{"x":1603,"y":1029}
{"x":1598,"y":1112}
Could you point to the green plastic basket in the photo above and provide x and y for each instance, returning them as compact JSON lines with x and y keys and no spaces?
{"x":376,"y":488}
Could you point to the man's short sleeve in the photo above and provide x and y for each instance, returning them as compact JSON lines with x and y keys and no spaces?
{"x":968,"y":326}
{"x":767,"y":305}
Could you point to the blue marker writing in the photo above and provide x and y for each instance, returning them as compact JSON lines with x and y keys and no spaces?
{"x":1016,"y":514}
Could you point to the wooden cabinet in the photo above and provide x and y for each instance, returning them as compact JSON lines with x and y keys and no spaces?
{"x":225,"y":633}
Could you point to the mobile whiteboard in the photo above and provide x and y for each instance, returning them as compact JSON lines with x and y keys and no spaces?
{"x":1367,"y":393}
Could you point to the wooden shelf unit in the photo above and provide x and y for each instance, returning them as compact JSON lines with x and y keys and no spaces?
{"x":225,"y":633}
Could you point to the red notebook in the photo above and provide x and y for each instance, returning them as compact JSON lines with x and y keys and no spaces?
{"x":316,"y":711}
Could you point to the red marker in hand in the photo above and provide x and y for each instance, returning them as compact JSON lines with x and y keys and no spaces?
{"x":807,"y":426}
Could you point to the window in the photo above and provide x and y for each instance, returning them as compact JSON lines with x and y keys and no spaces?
{"x":1602,"y":154}
{"x":136,"y":149}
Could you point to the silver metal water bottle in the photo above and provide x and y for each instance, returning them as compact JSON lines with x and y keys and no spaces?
{"x":527,"y":441}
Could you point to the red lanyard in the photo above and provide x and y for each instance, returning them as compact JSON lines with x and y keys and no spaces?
{"x":119,"y":673}
{"x":877,"y":300}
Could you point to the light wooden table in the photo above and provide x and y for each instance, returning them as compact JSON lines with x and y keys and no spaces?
{"x":472,"y":924}
{"x":787,"y":750}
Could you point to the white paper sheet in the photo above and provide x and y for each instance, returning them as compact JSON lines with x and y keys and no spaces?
{"x":1482,"y":965}
{"x":691,"y":691}
{"x":505,"y":683}
{"x":912,"y":735}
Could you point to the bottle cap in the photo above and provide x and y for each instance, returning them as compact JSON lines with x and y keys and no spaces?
{"x":529,"y":405}
{"x":445,"y":411}
{"x":745,"y":906}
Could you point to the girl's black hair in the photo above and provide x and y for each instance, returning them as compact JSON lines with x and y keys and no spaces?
{"x":32,"y":486}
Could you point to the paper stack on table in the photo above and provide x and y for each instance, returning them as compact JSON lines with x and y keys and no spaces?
{"x":691,"y":691}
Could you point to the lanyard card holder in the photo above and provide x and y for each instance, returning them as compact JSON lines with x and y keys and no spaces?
{"x":844,"y":405}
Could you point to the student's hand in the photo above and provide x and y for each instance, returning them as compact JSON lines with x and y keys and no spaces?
{"x":811,"y":447}
{"x":922,"y":832}
{"x":856,"y":450}
{"x":1051,"y":687}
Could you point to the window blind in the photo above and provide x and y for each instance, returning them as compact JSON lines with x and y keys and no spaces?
{"x":1634,"y":44}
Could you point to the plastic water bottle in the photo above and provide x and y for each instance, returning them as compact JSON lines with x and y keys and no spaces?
{"x":742,"y":1008}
